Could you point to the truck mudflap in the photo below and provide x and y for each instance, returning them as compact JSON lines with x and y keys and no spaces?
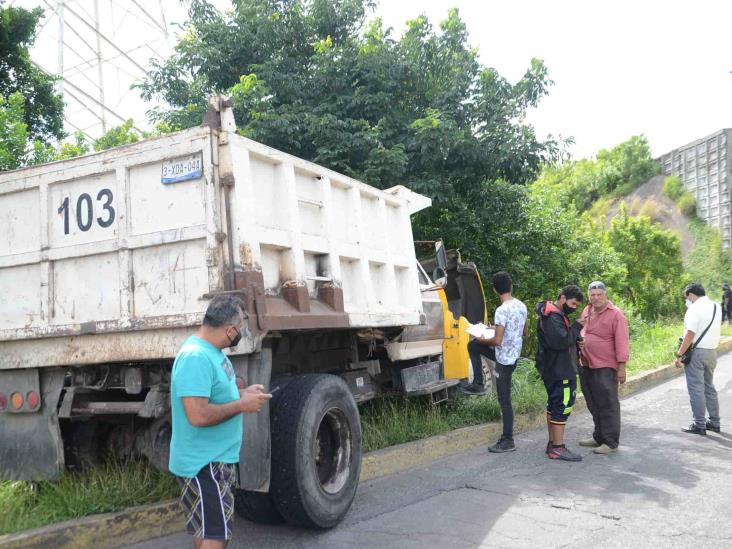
{"x":31,"y":447}
{"x":255,"y":455}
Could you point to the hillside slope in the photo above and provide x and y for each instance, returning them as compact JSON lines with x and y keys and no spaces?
{"x":648,"y":199}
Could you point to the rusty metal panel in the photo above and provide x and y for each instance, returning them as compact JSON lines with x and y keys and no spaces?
{"x":306,"y":227}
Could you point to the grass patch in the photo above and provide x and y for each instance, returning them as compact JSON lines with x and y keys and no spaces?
{"x":103,"y":489}
{"x":654,"y":346}
{"x":391,"y":421}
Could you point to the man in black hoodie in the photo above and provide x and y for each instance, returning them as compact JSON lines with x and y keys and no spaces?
{"x":556,"y":361}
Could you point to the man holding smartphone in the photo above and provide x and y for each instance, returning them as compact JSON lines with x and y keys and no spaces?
{"x":207,"y":403}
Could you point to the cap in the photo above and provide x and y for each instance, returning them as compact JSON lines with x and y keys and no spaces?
{"x":596,"y":285}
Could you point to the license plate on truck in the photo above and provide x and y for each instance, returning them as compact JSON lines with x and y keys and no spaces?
{"x":181,"y":169}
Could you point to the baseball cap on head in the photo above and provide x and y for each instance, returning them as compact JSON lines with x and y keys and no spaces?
{"x":597,"y":285}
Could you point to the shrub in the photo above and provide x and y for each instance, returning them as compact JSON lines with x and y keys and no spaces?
{"x":687,"y":204}
{"x":673,"y":188}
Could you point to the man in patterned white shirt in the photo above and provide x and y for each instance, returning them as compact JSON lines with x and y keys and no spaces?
{"x":504,"y":348}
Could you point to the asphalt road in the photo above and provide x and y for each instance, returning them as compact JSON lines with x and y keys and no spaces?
{"x":664,"y":488}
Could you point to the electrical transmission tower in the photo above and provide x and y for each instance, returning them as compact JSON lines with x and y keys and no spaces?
{"x":99,"y":49}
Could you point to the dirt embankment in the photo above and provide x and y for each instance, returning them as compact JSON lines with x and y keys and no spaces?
{"x":648,"y":199}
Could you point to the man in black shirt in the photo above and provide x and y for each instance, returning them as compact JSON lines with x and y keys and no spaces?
{"x":556,"y":360}
{"x":726,"y":303}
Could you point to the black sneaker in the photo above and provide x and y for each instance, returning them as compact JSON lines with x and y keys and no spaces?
{"x":562,"y":453}
{"x":473,"y":389}
{"x":694,"y":430}
{"x":504,"y":444}
{"x":711,"y":427}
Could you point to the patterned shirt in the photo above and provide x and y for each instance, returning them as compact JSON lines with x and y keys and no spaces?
{"x":512,"y":316}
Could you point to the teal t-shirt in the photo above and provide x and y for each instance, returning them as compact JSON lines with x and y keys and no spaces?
{"x":202,"y":370}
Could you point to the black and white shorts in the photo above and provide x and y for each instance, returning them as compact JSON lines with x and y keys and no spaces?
{"x":208,"y":501}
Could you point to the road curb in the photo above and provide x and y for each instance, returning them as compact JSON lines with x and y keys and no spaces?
{"x":150,"y":521}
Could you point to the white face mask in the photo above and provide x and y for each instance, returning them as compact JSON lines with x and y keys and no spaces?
{"x":688,"y":303}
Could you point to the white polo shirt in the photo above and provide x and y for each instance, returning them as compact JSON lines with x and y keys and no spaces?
{"x":697,"y":318}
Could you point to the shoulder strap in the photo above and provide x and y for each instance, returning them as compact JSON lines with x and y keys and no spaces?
{"x":714,"y":312}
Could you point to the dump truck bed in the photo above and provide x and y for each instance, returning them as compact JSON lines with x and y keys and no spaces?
{"x":114,"y":256}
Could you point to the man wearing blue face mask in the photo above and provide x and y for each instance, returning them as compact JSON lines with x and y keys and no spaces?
{"x":556,"y":360}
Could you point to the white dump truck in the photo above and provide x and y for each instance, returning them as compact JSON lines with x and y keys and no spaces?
{"x":108,"y":262}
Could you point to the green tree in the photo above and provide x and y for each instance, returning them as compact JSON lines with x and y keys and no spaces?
{"x":123,"y":134}
{"x":13,"y":131}
{"x":313,"y":79}
{"x":305,"y":80}
{"x":615,"y":172}
{"x":43,"y":108}
{"x":652,"y":257}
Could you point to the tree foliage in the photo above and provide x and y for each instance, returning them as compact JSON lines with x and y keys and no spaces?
{"x":124,"y":134}
{"x":615,"y":172}
{"x":306,"y":80}
{"x":652,"y":258}
{"x":13,"y":131}
{"x":709,"y":263}
{"x":674,"y":189}
{"x":640,"y":261}
{"x":43,"y":108}
{"x":312,"y":78}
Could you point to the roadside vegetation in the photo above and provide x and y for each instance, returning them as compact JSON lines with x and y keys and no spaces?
{"x":674,"y":189}
{"x":102,"y":489}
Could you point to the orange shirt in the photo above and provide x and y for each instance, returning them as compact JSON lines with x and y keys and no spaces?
{"x":607,"y":341}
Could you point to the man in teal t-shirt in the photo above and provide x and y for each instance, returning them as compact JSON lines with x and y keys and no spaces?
{"x":207,"y":404}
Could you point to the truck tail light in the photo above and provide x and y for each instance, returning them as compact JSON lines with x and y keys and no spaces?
{"x":3,"y":402}
{"x":32,"y":399}
{"x":16,"y":401}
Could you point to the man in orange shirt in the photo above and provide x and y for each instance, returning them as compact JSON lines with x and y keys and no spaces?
{"x":604,"y":353}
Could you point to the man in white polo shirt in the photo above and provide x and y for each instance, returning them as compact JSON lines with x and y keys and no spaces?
{"x":702,"y":322}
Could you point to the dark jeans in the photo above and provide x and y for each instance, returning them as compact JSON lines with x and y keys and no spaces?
{"x":600,"y":387}
{"x":503,"y":375}
{"x":726,"y":312}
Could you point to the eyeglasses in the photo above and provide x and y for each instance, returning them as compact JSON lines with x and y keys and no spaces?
{"x":596,"y":286}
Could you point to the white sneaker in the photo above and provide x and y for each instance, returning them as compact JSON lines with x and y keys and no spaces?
{"x":604,"y":449}
{"x":589,"y":443}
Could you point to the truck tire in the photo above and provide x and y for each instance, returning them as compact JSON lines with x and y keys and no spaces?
{"x":256,"y":507}
{"x":316,"y":451}
{"x":259,"y":506}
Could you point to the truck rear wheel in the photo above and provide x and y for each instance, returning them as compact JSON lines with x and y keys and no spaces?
{"x":316,"y":451}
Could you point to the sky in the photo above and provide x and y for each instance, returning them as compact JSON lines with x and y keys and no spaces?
{"x":620,"y":68}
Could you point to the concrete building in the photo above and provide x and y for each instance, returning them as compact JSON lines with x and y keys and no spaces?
{"x":703,"y":167}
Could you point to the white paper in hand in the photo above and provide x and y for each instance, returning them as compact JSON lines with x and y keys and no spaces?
{"x":480,"y":330}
